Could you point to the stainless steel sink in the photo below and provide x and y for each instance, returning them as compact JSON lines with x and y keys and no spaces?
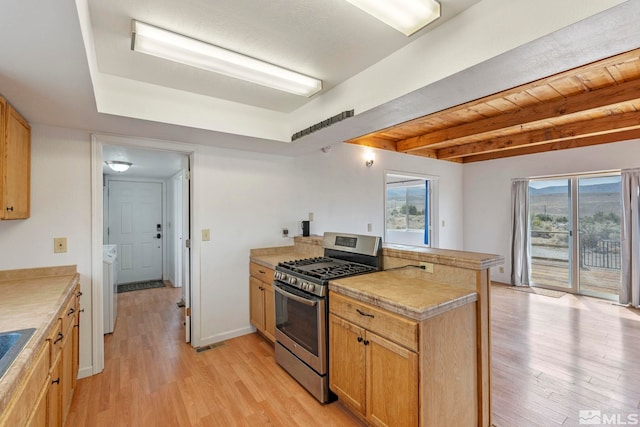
{"x":11,"y":343}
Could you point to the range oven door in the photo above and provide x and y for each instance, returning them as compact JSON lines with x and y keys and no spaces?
{"x":301,"y":325}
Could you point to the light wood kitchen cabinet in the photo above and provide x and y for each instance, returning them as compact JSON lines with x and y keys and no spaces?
{"x":372,"y":375}
{"x":261,"y":300}
{"x":64,"y":369}
{"x":15,"y":163}
{"x":395,"y":371}
{"x":25,"y":401}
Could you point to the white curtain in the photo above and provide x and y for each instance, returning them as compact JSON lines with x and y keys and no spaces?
{"x":630,"y":284}
{"x":520,"y":252}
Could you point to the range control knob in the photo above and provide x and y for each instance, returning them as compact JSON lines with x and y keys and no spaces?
{"x":311,"y":287}
{"x":293,"y":280}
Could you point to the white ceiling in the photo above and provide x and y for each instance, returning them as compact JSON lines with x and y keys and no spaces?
{"x":146,"y":163}
{"x":328,"y":39}
{"x":68,"y":63}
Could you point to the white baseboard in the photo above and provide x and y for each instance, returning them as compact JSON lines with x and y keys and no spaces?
{"x":226,"y":335}
{"x":85,"y":372}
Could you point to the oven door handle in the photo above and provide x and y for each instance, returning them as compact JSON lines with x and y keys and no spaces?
{"x":296,"y":298}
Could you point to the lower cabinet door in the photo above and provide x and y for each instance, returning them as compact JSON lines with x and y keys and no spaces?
{"x":67,"y":373}
{"x":347,"y":362}
{"x":269,"y":312}
{"x":39,"y":416}
{"x":54,"y":396}
{"x":392,"y":383}
{"x":256,"y":303}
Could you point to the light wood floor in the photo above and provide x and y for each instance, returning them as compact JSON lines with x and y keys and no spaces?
{"x":552,"y":357}
{"x":152,"y":378}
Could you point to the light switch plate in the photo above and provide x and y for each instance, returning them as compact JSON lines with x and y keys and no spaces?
{"x":59,"y":245}
{"x":206,"y":235}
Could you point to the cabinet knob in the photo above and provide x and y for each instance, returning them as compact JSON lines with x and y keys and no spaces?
{"x":60,"y":337}
{"x":71,"y":311}
{"x":56,"y":381}
{"x":366,"y":342}
{"x":359,"y":339}
{"x":10,"y":208}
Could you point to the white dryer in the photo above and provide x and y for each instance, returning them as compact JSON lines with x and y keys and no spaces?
{"x":110,"y":286}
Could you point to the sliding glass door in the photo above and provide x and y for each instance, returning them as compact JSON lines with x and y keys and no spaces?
{"x":575,"y":234}
{"x":599,"y":215}
{"x":550,"y":228}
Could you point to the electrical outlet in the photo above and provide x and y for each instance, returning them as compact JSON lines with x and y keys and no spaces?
{"x":501,"y":269}
{"x":369,"y":228}
{"x":428,"y":267}
{"x":59,"y":245}
{"x":285,"y":232}
{"x":206,"y":234}
{"x":310,"y":216}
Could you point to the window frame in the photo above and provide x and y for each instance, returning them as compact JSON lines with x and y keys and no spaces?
{"x":431,"y":210}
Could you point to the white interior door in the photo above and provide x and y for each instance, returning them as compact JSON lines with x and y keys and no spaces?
{"x":135,"y":225}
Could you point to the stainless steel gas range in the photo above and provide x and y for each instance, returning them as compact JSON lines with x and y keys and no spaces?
{"x":301,"y":305}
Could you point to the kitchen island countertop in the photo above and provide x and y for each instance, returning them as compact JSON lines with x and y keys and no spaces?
{"x":412,"y":297}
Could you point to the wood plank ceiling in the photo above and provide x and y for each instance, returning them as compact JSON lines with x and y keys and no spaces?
{"x":594,"y":104}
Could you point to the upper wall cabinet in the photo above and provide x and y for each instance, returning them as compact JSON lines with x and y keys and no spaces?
{"x":15,"y":163}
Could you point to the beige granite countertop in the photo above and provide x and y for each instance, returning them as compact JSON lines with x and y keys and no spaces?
{"x":31,"y":298}
{"x":415,"y":298}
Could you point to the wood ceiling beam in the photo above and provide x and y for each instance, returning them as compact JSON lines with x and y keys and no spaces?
{"x":558,"y":145}
{"x":577,"y":104}
{"x":591,"y":127}
{"x":374,"y":142}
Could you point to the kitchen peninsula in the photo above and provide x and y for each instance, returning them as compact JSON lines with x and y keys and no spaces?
{"x":430,"y":308}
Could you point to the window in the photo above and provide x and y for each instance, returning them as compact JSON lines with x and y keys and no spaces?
{"x":408,"y":208}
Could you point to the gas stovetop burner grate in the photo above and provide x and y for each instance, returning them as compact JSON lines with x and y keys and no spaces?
{"x":323,"y":268}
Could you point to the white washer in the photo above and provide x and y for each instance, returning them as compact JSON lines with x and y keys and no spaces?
{"x":110,"y":286}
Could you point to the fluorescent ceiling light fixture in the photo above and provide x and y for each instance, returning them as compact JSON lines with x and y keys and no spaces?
{"x":406,"y":16}
{"x":165,"y":44}
{"x":118,"y":166}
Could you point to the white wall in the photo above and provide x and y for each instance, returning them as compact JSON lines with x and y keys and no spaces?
{"x":487,"y":190}
{"x":60,"y":207}
{"x":244,"y":199}
{"x":345,"y":195}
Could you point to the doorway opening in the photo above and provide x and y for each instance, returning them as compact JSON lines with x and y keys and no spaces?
{"x":154,"y":165}
{"x":575,"y":234}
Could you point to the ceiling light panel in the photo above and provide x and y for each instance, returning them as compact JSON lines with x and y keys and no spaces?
{"x":175,"y":47}
{"x":406,"y":16}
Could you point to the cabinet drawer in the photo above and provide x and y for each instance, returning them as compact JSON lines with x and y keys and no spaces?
{"x":22,"y":404}
{"x":388,"y":325}
{"x":68,"y":314}
{"x":260,"y":272}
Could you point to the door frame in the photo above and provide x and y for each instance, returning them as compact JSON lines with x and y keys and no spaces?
{"x":189,"y":150}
